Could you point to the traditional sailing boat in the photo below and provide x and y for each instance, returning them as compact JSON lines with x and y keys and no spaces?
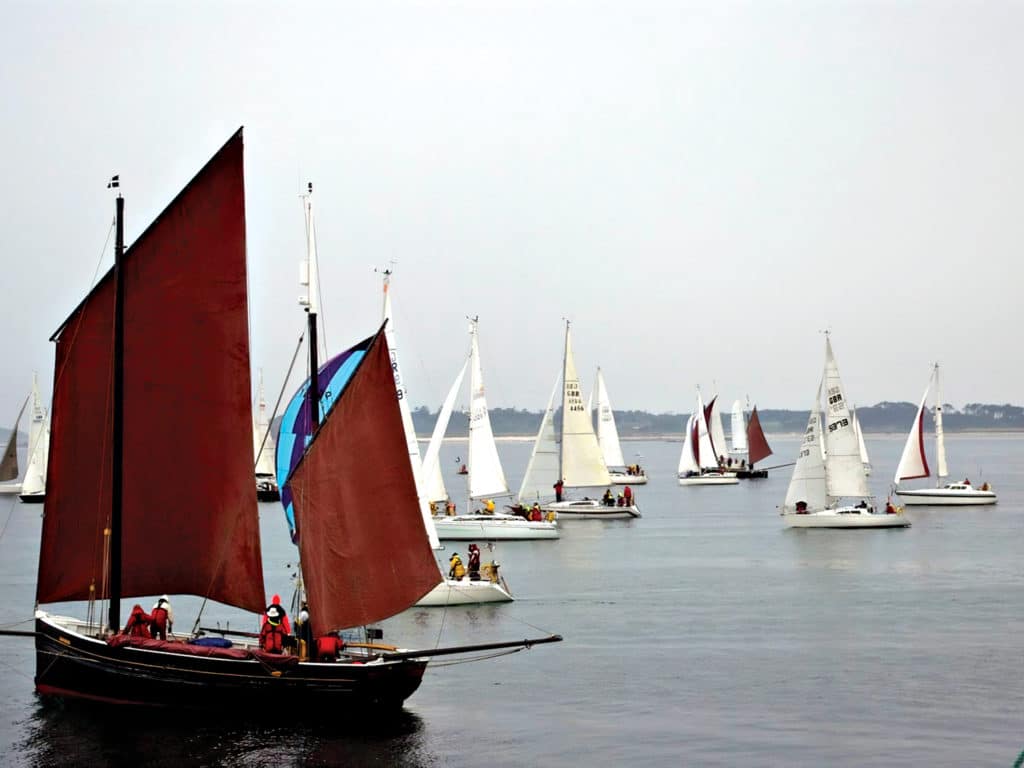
{"x":608,"y":438}
{"x":160,"y":347}
{"x":700,"y":463}
{"x":829,"y":470}
{"x":266,"y":484}
{"x":914,"y":464}
{"x":33,"y":486}
{"x":9,"y":483}
{"x":757,"y":448}
{"x":580,"y":463}
{"x":486,"y":478}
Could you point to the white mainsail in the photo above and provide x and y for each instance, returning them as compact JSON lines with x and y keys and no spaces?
{"x":403,"y":405}
{"x":263,"y":443}
{"x":940,"y":438}
{"x":717,"y":432}
{"x":582,"y":465}
{"x":913,"y":462}
{"x":433,"y":482}
{"x":542,"y":471}
{"x":808,"y":481}
{"x":707,"y":456}
{"x":486,"y":477}
{"x":844,"y":470}
{"x":739,"y":428}
{"x":687,"y":463}
{"x":38,"y":445}
{"x":607,"y":434}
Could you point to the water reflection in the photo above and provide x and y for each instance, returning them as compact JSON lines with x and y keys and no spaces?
{"x":79,"y":733}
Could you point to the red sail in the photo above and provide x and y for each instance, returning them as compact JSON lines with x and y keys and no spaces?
{"x":190,"y":521}
{"x":757,"y":445}
{"x":364,"y":550}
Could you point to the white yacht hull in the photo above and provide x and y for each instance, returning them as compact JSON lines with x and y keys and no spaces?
{"x":10,"y":488}
{"x":493,"y":528}
{"x":590,"y":509}
{"x":724,"y":479}
{"x":946,"y":497}
{"x":845,"y":517}
{"x":464,"y":592}
{"x":624,"y":478}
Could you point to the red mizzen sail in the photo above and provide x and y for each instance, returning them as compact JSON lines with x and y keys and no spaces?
{"x":364,"y":550}
{"x":190,"y":523}
{"x":757,"y":445}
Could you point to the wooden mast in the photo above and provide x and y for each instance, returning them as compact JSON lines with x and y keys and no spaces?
{"x":114,"y":618}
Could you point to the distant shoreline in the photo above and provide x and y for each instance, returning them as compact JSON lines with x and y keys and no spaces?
{"x":678,"y":437}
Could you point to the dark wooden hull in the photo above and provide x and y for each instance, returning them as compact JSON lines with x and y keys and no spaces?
{"x":69,"y":665}
{"x":751,"y":474}
{"x":32,"y":498}
{"x":271,"y":495}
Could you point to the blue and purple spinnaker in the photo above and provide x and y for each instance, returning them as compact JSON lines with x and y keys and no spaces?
{"x":297,"y":426}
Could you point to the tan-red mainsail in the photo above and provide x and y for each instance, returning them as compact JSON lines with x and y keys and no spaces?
{"x":190,"y":522}
{"x":757,"y":445}
{"x":364,"y":549}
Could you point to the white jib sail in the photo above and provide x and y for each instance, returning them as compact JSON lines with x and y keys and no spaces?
{"x":433,"y":482}
{"x":808,"y":480}
{"x":607,"y":433}
{"x":717,"y":432}
{"x":706,"y":454}
{"x":403,"y":405}
{"x":582,"y":463}
{"x":913,"y":463}
{"x":687,"y":463}
{"x":940,"y":438}
{"x":844,"y":470}
{"x":263,"y":443}
{"x":542,"y":471}
{"x":739,"y":428}
{"x":861,"y":447}
{"x":38,"y":445}
{"x":486,"y":477}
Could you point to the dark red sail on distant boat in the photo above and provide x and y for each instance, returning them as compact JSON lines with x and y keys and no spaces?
{"x":757,"y":445}
{"x":190,"y":521}
{"x":355,"y":500}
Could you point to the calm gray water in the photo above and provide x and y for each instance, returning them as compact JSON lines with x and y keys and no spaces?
{"x":702,"y":634}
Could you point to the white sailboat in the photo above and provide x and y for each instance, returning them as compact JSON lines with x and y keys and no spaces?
{"x":263,"y":445}
{"x":33,"y":487}
{"x":863,"y":449}
{"x":449,"y":591}
{"x":580,"y":461}
{"x":828,"y":470}
{"x":9,"y":483}
{"x":608,"y":438}
{"x":486,"y":478}
{"x":699,"y":461}
{"x":739,"y":429}
{"x":914,"y":464}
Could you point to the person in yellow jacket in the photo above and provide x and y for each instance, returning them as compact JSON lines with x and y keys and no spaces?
{"x":489,"y":506}
{"x":456,"y":569}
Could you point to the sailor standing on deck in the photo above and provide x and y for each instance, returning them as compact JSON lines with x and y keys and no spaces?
{"x":162,"y":618}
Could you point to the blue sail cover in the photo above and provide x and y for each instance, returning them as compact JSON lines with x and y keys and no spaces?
{"x":296,"y":425}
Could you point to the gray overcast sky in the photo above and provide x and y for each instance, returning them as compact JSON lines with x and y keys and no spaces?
{"x":700,"y":187}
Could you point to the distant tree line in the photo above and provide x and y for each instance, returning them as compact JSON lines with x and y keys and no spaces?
{"x":883,"y":417}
